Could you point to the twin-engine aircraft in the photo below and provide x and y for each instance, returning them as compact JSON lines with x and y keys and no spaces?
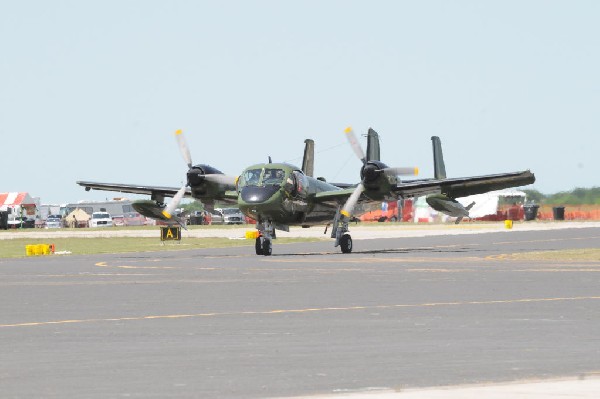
{"x":279,"y":195}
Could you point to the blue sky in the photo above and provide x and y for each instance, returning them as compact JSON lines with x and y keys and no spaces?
{"x":95,"y":90}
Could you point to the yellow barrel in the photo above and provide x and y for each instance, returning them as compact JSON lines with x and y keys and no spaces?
{"x":45,"y":249}
{"x":36,"y":249}
{"x":30,"y":250}
{"x":508,"y":224}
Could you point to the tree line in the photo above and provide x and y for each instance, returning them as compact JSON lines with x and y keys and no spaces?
{"x":577,"y":196}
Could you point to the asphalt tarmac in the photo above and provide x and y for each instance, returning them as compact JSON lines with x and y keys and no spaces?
{"x":396,"y":314}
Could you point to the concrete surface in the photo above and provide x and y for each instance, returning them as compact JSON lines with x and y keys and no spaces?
{"x":444,"y":314}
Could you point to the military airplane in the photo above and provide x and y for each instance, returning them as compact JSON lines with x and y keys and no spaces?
{"x":279,"y":195}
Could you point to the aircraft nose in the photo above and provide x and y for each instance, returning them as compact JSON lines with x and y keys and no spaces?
{"x":254,"y":194}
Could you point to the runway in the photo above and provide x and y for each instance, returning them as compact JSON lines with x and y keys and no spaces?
{"x":396,"y":314}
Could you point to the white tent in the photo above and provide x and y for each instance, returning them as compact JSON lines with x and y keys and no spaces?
{"x":487,"y":204}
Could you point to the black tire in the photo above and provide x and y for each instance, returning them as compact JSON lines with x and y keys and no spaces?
{"x":346,"y":243}
{"x":258,"y":246}
{"x":267,"y":248}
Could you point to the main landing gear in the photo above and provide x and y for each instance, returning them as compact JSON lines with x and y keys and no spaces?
{"x":263,"y":243}
{"x":341,"y":234}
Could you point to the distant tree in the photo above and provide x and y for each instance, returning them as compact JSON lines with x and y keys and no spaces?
{"x":578,"y":196}
{"x":535,"y":196}
{"x":192,"y":206}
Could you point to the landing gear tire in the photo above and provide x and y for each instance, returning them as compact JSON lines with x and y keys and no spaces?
{"x":258,"y":246}
{"x":267,"y":249}
{"x":346,"y":243}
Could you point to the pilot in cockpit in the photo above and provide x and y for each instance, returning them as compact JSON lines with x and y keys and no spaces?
{"x":273,"y":176}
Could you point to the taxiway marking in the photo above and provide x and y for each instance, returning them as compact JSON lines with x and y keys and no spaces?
{"x":307,"y":310}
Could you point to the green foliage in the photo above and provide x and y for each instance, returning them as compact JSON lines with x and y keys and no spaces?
{"x":192,"y":206}
{"x":578,"y":196}
{"x":535,"y":196}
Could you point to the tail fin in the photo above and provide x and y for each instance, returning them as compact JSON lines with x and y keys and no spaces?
{"x":439,"y":167}
{"x":308,"y":162}
{"x":373,"y":153}
{"x":468,"y":208}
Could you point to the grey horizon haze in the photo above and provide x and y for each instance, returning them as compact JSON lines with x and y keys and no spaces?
{"x":95,"y":90}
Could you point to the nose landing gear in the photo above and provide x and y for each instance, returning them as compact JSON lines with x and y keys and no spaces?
{"x":340,"y":232}
{"x":263,"y":245}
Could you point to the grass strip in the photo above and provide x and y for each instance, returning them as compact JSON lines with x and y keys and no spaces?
{"x":15,"y":248}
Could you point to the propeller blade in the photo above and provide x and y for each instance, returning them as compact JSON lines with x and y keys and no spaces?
{"x":352,"y":201}
{"x":183,"y":147}
{"x":168,"y":212}
{"x":221,"y":179}
{"x":355,"y":144}
{"x":401,"y":171}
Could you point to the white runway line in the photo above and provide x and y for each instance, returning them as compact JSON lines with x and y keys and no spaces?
{"x":564,"y":389}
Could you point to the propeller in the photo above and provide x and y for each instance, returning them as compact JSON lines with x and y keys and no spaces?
{"x":352,"y":200}
{"x":407,"y":171}
{"x":187,"y":157}
{"x":355,"y":144}
{"x":211,"y":177}
{"x":183,"y":147}
{"x":170,"y":209}
{"x":221,"y":179}
{"x":370,"y":171}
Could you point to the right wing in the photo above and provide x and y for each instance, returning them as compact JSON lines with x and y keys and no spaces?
{"x":157,"y":193}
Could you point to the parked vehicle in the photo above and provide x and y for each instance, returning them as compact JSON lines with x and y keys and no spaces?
{"x":53,"y":222}
{"x":133,"y":219}
{"x":231,"y":216}
{"x":101,"y":219}
{"x":21,"y":222}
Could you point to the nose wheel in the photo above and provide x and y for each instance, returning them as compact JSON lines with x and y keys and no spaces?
{"x":263,"y":246}
{"x":258,"y":246}
{"x":267,"y":248}
{"x":346,"y":243}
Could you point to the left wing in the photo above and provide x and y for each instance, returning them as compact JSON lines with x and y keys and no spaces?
{"x":380,"y":183}
{"x":463,"y":186}
{"x":155,"y":192}
{"x":453,"y":187}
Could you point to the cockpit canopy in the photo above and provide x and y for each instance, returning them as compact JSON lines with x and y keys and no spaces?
{"x":274,"y":176}
{"x":262,"y":177}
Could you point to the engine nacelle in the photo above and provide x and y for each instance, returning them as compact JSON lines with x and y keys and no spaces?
{"x":195,"y":175}
{"x":371,"y":172}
